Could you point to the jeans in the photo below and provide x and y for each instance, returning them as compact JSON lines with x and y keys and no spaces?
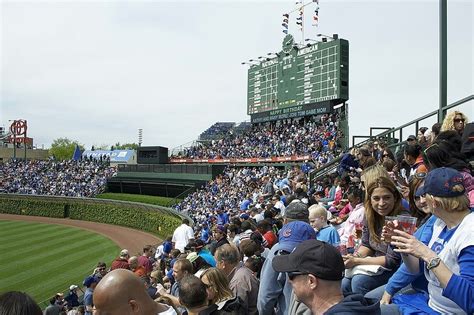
{"x":362,"y":284}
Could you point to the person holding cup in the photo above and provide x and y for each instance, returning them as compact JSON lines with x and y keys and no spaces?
{"x":448,"y":259}
{"x":374,"y":262}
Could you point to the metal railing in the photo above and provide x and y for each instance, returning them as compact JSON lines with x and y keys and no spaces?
{"x":389,"y":135}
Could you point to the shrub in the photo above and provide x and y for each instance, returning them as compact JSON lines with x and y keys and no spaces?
{"x":144,"y":219}
{"x":161,"y":222}
{"x":35,"y":207}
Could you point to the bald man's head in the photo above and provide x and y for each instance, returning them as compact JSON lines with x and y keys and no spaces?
{"x":133,"y":262}
{"x":122,"y":292}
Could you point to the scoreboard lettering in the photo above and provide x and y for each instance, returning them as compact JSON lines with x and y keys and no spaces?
{"x":300,"y":81}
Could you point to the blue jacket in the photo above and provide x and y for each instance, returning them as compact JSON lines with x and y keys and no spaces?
{"x":275,"y":290}
{"x":402,"y":277}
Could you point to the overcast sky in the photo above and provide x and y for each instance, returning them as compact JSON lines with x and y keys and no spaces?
{"x":96,"y":71}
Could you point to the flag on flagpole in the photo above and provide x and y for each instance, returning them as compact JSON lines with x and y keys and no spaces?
{"x":76,"y":156}
{"x":286,"y":17}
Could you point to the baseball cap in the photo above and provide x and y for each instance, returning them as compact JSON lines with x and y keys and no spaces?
{"x":73,"y":287}
{"x":221,"y":229}
{"x":293,"y":233}
{"x":192,"y":256}
{"x":411,"y":137}
{"x":244,"y":216}
{"x":297,"y":211}
{"x":90,"y":280}
{"x":443,"y":182}
{"x":315,"y":257}
{"x":124,"y":252}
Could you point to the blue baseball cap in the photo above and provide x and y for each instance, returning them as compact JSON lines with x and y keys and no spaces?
{"x":443,"y":182}
{"x":293,"y":233}
{"x":244,"y":216}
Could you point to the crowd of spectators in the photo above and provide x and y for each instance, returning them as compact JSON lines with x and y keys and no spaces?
{"x":84,"y":178}
{"x":316,"y":136}
{"x":387,"y":233}
{"x":218,"y":130}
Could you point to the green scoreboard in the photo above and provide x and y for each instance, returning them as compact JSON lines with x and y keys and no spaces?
{"x":299,"y":81}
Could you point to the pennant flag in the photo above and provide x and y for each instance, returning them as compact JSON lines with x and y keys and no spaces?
{"x":299,"y":18}
{"x":76,"y":156}
{"x":286,"y":17}
{"x":299,"y":23}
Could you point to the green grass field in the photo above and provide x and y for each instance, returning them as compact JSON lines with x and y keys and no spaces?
{"x":42,"y":259}
{"x":153,"y":200}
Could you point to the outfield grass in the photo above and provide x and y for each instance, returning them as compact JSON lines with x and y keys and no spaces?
{"x":154,"y":200}
{"x":42,"y":259}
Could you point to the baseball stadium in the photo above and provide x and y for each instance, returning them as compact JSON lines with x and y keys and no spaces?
{"x":290,"y":211}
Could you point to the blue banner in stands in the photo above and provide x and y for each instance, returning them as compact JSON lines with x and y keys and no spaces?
{"x":116,"y":156}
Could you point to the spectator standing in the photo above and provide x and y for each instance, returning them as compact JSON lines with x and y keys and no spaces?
{"x":182,"y":235}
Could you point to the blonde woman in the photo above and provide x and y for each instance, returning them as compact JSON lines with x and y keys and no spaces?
{"x":219,"y":292}
{"x":455,"y":121}
{"x":447,"y":260}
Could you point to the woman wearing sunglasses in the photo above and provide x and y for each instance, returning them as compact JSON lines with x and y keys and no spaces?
{"x":455,"y":121}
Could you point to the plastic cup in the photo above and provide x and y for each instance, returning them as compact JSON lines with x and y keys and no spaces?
{"x":406,"y":224}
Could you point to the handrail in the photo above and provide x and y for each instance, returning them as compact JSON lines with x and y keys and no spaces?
{"x":319,"y":172}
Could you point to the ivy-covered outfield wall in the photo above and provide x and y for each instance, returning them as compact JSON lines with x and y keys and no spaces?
{"x":155,"y":219}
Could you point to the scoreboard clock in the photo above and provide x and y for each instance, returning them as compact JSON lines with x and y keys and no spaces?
{"x":299,"y":81}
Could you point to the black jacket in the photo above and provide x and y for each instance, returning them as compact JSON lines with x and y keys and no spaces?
{"x":356,"y":304}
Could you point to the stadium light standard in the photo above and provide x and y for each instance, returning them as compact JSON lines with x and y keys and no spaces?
{"x":275,"y":54}
{"x":333,"y":37}
{"x":140,"y":137}
{"x":250,"y":62}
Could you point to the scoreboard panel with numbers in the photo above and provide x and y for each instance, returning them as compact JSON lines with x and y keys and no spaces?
{"x":299,"y":81}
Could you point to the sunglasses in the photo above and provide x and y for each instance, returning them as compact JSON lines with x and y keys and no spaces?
{"x":384,"y":155}
{"x":459,"y":120}
{"x":293,"y":275}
